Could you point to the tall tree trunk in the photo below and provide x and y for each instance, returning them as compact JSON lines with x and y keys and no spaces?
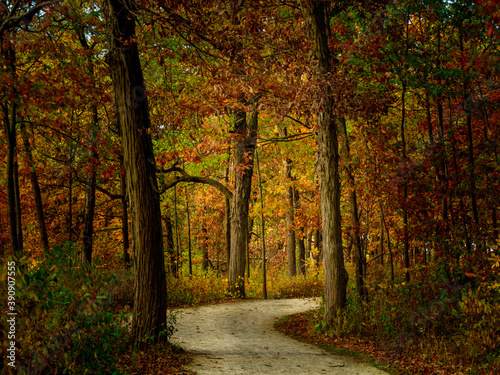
{"x":35,"y":187}
{"x":289,"y":214}
{"x":300,"y":238}
{"x":388,"y":241}
{"x":9,"y":107}
{"x":150,"y":302}
{"x":328,"y":165}
{"x":204,"y":247}
{"x":171,"y":256}
{"x":262,"y":230}
{"x":88,"y":215}
{"x":381,"y":244}
{"x":190,"y":260}
{"x":178,"y":249}
{"x":249,"y":239}
{"x":317,"y":255}
{"x":301,"y":247}
{"x":245,"y":141}
{"x":354,"y":212}
{"x":406,"y":240}
{"x":70,"y":204}
{"x":228,"y":214}
{"x":470,"y":143}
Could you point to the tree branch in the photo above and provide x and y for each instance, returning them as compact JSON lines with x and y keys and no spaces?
{"x":196,"y":179}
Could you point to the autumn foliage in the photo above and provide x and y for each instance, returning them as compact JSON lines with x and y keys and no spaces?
{"x":416,"y":105}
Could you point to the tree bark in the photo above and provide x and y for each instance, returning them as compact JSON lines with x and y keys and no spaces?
{"x":150,"y":302}
{"x":245,"y":141}
{"x":125,"y":236}
{"x":328,"y":165}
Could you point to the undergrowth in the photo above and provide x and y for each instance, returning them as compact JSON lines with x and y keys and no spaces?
{"x":448,"y":314}
{"x":211,"y":286}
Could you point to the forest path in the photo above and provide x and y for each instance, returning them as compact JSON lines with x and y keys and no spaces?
{"x":239,"y":338}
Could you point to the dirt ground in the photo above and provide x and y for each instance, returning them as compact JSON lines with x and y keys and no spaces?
{"x":239,"y":338}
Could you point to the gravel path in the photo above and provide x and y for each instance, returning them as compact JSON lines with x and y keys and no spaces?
{"x":239,"y":338}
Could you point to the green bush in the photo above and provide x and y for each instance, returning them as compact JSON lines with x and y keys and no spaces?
{"x":65,"y":324}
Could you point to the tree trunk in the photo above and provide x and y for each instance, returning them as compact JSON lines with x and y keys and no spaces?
{"x":388,"y":241}
{"x":88,"y":215}
{"x":171,"y":263}
{"x":245,"y":141}
{"x":178,"y":249}
{"x":69,"y":229}
{"x":190,"y":260}
{"x":35,"y":187}
{"x":406,"y":239}
{"x":204,"y":247}
{"x":228,"y":217}
{"x":354,"y":212}
{"x":302,"y":256}
{"x":10,"y":121}
{"x":247,"y":250}
{"x":289,"y":215}
{"x":262,"y":230}
{"x":150,"y":302}
{"x":328,"y":166}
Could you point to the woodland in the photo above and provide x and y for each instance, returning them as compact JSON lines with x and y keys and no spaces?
{"x":162,"y":153}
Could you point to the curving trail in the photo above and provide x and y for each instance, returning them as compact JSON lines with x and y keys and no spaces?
{"x":239,"y":338}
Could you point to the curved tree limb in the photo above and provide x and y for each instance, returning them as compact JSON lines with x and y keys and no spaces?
{"x":188,"y":178}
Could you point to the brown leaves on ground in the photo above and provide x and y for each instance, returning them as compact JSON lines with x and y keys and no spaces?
{"x":160,"y":359}
{"x":394,"y":360}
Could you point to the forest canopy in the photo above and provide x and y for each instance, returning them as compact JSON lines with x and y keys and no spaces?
{"x":356,"y":139}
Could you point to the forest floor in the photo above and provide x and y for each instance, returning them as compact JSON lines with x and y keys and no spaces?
{"x":240,"y":338}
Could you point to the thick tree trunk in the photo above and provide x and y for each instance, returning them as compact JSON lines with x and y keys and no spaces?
{"x":328,"y":166}
{"x":150,"y":302}
{"x":245,"y":141}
